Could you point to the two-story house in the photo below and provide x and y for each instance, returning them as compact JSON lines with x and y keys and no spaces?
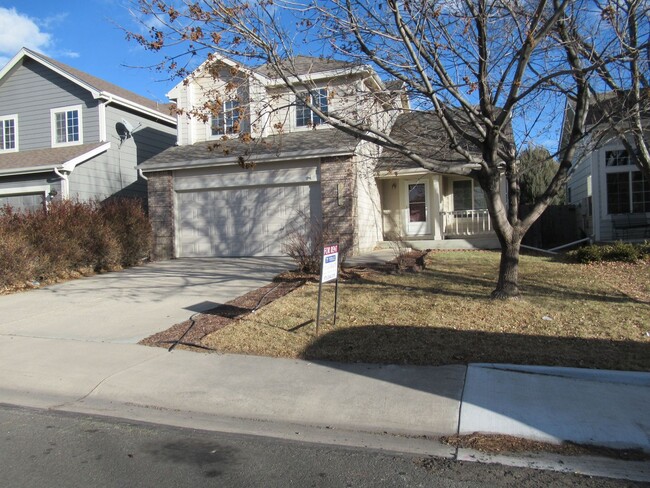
{"x":611,"y":193}
{"x":67,"y":134}
{"x":253,"y":159}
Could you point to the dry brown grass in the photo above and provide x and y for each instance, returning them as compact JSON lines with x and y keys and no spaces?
{"x":594,"y":316}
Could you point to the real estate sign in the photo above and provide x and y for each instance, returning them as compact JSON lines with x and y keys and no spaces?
{"x":330,"y":265}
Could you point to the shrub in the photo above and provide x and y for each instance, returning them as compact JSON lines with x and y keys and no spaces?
{"x":18,"y":262}
{"x":71,"y":236}
{"x":131,"y":227}
{"x":618,"y":251}
{"x":621,"y":251}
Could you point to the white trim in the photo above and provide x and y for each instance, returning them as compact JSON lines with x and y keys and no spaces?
{"x":25,"y":171}
{"x":25,"y":190}
{"x":58,"y":110}
{"x":103,"y":135}
{"x":403,"y":172}
{"x":110,"y":98}
{"x":72,"y":163}
{"x":13,"y":117}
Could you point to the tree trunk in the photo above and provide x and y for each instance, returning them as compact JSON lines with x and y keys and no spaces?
{"x":508,"y":283}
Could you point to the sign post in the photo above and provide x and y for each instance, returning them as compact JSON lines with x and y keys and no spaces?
{"x":329,"y":271}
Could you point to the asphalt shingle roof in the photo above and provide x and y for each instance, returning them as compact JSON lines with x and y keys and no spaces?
{"x":48,"y":157}
{"x":303,"y":65}
{"x":309,"y":143}
{"x":424,"y":134}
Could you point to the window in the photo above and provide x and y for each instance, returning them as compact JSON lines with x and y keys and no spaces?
{"x":468,"y":195}
{"x":8,"y":137}
{"x":627,"y":190}
{"x":227,"y":122}
{"x":304,"y":116}
{"x":66,"y":126}
{"x":617,"y":158}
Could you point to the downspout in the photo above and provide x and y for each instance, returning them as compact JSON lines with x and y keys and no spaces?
{"x":65,"y":184}
{"x":141,"y":174}
{"x":103,"y":130}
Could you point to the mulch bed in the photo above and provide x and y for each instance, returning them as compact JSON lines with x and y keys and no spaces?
{"x":188,"y":334}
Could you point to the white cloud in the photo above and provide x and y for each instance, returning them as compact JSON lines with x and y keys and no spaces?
{"x":18,"y":30}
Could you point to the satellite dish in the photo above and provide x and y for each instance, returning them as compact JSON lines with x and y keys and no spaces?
{"x":125,"y":130}
{"x":129,"y":127}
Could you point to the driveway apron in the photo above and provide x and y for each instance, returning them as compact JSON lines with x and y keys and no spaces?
{"x":127,"y":306}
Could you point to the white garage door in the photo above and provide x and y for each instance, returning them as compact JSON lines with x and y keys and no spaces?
{"x":249,"y":221}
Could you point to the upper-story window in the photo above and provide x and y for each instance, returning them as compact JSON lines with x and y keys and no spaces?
{"x":8,"y":133}
{"x":66,"y":126}
{"x":617,"y":158}
{"x":627,"y":189}
{"x":227,"y":122}
{"x":304,"y":116}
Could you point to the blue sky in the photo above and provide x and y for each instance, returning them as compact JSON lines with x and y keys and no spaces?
{"x":85,"y":34}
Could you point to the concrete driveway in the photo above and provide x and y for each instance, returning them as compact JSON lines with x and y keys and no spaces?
{"x":127,"y":306}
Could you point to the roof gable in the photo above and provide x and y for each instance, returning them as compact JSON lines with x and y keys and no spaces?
{"x":97,"y":87}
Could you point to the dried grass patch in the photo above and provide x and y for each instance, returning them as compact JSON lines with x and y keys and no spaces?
{"x":570,"y":316}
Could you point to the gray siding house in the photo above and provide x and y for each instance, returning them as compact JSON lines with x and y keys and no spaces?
{"x":67,"y":134}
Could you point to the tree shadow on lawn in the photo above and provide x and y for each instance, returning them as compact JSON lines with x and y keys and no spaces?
{"x":442,"y":346}
{"x":469,"y":285}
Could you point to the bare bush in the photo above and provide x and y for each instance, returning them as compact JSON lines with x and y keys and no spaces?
{"x":131,"y":227}
{"x":71,"y":236}
{"x":399,"y":247}
{"x":304,"y":241}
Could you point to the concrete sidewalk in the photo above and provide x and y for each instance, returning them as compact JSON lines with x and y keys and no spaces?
{"x":399,"y":408}
{"x":257,"y":395}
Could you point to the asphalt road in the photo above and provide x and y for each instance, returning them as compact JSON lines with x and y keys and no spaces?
{"x":41,"y":448}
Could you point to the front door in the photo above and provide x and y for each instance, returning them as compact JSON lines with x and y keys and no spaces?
{"x":418,"y":221}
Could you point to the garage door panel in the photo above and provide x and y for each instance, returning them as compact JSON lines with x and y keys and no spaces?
{"x":241,"y":221}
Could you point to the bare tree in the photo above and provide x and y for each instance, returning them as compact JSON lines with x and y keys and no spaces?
{"x":616,"y":38}
{"x":496,"y":73}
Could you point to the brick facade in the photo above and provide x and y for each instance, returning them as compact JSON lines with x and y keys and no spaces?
{"x":338,"y":201}
{"x":161,"y":214}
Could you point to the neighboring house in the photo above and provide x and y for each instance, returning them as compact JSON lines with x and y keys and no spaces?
{"x":612,"y":196}
{"x":251,"y":159}
{"x":66,"y":134}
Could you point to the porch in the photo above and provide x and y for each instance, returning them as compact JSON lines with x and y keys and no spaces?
{"x":432,"y":211}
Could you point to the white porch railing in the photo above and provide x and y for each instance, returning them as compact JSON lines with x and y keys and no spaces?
{"x":466,"y":223}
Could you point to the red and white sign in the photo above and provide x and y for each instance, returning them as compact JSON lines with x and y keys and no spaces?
{"x":330,"y":265}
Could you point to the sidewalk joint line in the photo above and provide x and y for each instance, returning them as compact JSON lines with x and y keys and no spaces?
{"x":460,"y":407}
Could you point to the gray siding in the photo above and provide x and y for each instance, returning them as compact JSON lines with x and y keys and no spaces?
{"x":31,"y":90}
{"x":114,"y":172}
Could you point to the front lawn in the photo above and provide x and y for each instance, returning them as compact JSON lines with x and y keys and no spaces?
{"x":595,"y":316}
